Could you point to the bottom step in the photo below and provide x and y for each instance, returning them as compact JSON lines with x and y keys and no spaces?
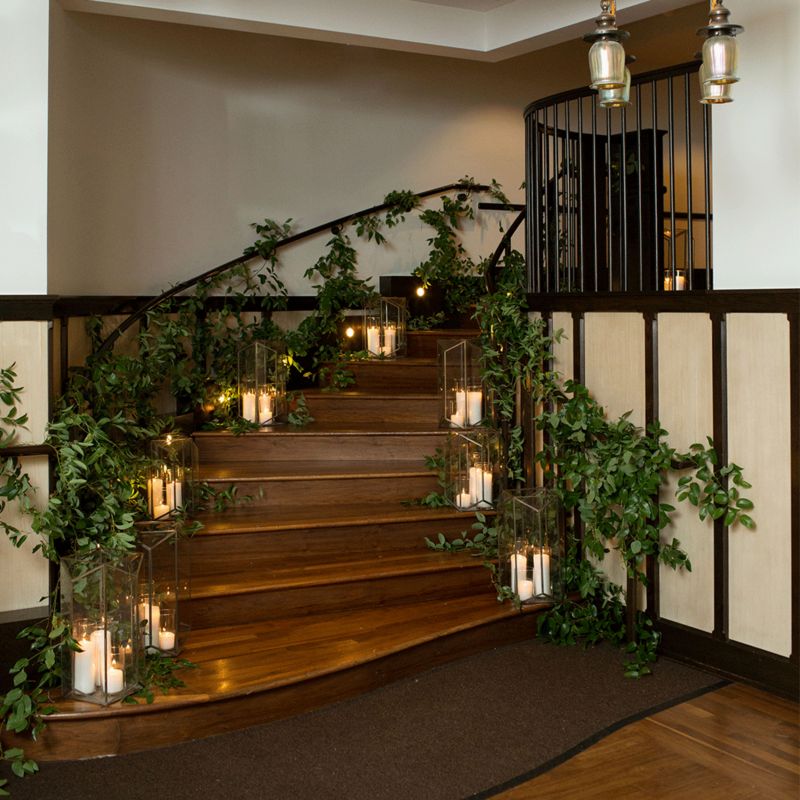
{"x":251,"y":674}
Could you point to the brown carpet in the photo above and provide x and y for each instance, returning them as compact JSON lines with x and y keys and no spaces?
{"x":463,"y":730}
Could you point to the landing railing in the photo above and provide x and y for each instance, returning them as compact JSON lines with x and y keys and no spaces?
{"x":620,"y":198}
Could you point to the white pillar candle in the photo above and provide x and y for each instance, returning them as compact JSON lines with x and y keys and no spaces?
{"x":519,"y":569}
{"x":174,"y":494}
{"x":249,"y":406}
{"x":483,"y":486}
{"x":374,"y":340}
{"x":463,"y":501}
{"x":457,"y":420}
{"x":680,"y":282}
{"x":541,"y":573}
{"x":474,"y":485}
{"x":152,"y":624}
{"x":155,"y":494}
{"x":101,"y":648}
{"x":114,"y":681}
{"x":389,"y":339}
{"x":166,"y":640}
{"x":525,"y":590}
{"x":265,"y":410}
{"x":461,"y":402}
{"x":83,"y":667}
{"x":474,"y":406}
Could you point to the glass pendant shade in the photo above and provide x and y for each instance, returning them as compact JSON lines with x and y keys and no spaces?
{"x":619,"y":97}
{"x":720,"y":59}
{"x":713,"y":93}
{"x":607,"y":64}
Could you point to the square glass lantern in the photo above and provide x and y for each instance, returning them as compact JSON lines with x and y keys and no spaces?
{"x":461,"y":395}
{"x":530,"y":545}
{"x":98,"y":602}
{"x":385,"y":327}
{"x":172,"y":475}
{"x":473,"y":469}
{"x":262,"y":384}
{"x":163,"y":586}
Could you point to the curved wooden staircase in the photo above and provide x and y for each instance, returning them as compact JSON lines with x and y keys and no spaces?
{"x":322,"y":588}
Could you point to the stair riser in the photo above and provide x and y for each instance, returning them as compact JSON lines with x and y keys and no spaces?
{"x":395,"y":377}
{"x":233,"y":552}
{"x":407,"y":447}
{"x":425,"y":344}
{"x":221,"y":611}
{"x":333,"y":409}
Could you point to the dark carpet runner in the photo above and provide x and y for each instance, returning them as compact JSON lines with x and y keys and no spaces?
{"x":467,"y":729}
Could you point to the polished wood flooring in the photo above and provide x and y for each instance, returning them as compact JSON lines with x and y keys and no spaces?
{"x":736,"y":743}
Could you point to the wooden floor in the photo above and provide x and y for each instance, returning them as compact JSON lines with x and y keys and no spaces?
{"x":737,"y":743}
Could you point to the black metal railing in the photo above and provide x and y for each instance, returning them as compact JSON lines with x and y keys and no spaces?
{"x":620,"y":199}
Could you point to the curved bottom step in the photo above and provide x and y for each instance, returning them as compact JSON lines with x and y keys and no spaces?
{"x":251,"y":674}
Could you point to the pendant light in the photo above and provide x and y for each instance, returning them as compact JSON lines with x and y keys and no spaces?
{"x":713,"y":93}
{"x":607,"y":55}
{"x":720,"y":56}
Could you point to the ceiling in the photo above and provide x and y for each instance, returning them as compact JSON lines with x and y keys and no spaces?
{"x":485,"y":30}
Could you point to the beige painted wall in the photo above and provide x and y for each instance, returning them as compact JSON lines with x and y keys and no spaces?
{"x":167,"y":141}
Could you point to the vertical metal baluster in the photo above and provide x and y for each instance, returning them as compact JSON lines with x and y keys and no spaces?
{"x":671,"y":136}
{"x":534,"y":225}
{"x":609,"y":201}
{"x":707,"y":171}
{"x":689,"y":185}
{"x":568,"y":197}
{"x":557,"y":165}
{"x":639,"y":179}
{"x":594,"y":188}
{"x":581,"y":266}
{"x":546,"y":184}
{"x":623,"y":194}
{"x":658,"y":224}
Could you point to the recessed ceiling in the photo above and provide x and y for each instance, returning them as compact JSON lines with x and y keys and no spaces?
{"x":485,"y":30}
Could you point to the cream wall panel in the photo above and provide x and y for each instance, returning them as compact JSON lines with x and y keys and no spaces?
{"x":759,"y":441}
{"x":24,"y":574}
{"x":25,"y":344}
{"x":562,"y":351}
{"x":614,"y":364}
{"x":685,"y":406}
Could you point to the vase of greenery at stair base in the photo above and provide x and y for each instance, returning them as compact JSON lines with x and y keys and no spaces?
{"x":98,"y":603}
{"x":172,"y":476}
{"x":262,"y":384}
{"x":530,"y":545}
{"x":473,"y":468}
{"x":384,"y":327}
{"x":163,"y":585}
{"x":461,"y":395}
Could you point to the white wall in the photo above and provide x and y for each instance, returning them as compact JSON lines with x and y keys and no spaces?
{"x":756,"y":142}
{"x":23,"y":146}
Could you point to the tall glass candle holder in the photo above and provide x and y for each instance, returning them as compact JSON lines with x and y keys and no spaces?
{"x":461,"y":397}
{"x":384,"y":327}
{"x":530,"y":545}
{"x":172,"y":476}
{"x":262,"y":384}
{"x":98,"y":605}
{"x":473,"y":468}
{"x":164,"y":585}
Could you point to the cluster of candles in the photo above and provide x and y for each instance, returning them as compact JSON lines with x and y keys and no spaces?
{"x":679,"y":284}
{"x":98,"y":665}
{"x":539,"y":583}
{"x":165,"y":492}
{"x":389,"y":339}
{"x":259,"y":407}
{"x":468,"y":406}
{"x":479,"y":491}
{"x":160,"y":628}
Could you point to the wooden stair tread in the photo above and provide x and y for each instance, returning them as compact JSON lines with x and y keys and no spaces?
{"x":313,"y":429}
{"x":305,"y":571}
{"x":355,"y":394}
{"x":245,"y":659}
{"x":244,"y":471}
{"x":324,"y":516}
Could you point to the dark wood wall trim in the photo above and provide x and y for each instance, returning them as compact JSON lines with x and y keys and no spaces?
{"x":734,"y":300}
{"x":651,"y":415}
{"x":730,"y":659}
{"x":794,"y":411}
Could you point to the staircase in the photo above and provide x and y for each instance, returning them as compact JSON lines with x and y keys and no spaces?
{"x":322,"y":587}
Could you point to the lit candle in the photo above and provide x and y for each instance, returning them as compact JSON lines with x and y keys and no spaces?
{"x":389,"y":339}
{"x":155,"y":495}
{"x":152,"y":624}
{"x":480,"y":486}
{"x":475,"y":406}
{"x":457,"y":419}
{"x":541,"y":572}
{"x":461,"y":403}
{"x":265,"y":410}
{"x":374,"y":340}
{"x":174,"y":494}
{"x":463,"y":501}
{"x":525,"y":590}
{"x":115,"y":679}
{"x":101,"y":649}
{"x":83,"y":667}
{"x":166,"y":640}
{"x":680,"y":281}
{"x":249,"y":406}
{"x":519,"y":569}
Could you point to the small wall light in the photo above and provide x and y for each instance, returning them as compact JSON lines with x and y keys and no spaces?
{"x":420,"y":291}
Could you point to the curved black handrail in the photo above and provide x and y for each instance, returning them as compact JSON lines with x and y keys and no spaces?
{"x":505,"y":244}
{"x":139,"y":314}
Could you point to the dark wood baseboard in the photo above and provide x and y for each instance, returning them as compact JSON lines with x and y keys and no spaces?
{"x":731,"y":659}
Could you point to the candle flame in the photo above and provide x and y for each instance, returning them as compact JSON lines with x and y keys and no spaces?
{"x":349,"y":333}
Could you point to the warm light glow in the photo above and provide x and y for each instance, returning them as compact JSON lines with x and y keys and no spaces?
{"x":169,"y":438}
{"x":349,"y":333}
{"x":420,"y":291}
{"x":221,"y":398}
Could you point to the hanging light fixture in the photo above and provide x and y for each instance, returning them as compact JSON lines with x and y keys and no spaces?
{"x":713,"y":93}
{"x":621,"y":96}
{"x":607,"y":55}
{"x":720,"y":56}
